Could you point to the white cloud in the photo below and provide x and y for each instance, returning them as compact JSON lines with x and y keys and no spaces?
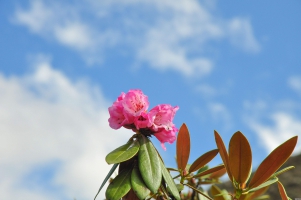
{"x":167,"y":35}
{"x":284,"y":127}
{"x":273,"y":123}
{"x":51,"y":123}
{"x":295,"y":83}
{"x":241,"y":35}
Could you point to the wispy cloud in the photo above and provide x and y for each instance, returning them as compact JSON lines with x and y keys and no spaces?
{"x":294,"y":82}
{"x":273,"y":123}
{"x":166,"y":35}
{"x":55,"y":130}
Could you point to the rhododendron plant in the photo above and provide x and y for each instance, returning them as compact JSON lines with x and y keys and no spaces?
{"x":142,"y":173}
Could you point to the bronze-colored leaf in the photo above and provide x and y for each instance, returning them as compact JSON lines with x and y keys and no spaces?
{"x":282,"y":192}
{"x":183,"y":147}
{"x":218,"y":173}
{"x":240,"y":158}
{"x":209,"y":171}
{"x":223,"y":152}
{"x":216,"y":193}
{"x":273,"y":162}
{"x":203,"y":160}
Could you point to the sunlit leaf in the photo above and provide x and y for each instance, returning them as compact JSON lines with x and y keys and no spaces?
{"x":223,"y":152}
{"x":149,"y":164}
{"x":123,"y":153}
{"x":218,"y":173}
{"x":258,"y":193}
{"x":273,"y":162}
{"x":138,"y":184}
{"x":183,"y":147}
{"x":240,"y":158}
{"x":283,"y":170}
{"x":217,"y":193}
{"x":170,"y":182}
{"x":107,"y":178}
{"x":209,"y":171}
{"x":265,"y":184}
{"x":282,"y":192}
{"x":120,"y":186}
{"x":203,"y":160}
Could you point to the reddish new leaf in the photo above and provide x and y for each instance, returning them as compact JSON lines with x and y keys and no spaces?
{"x":240,"y":158}
{"x":273,"y":162}
{"x":183,"y":147}
{"x":223,"y":152}
{"x":282,"y":192}
{"x":218,"y":173}
{"x":209,"y":171}
{"x":203,"y":160}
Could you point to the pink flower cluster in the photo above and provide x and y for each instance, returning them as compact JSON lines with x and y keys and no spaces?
{"x":130,"y":111}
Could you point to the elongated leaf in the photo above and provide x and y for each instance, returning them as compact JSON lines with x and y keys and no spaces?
{"x":209,"y":171}
{"x":283,"y":170}
{"x":240,"y":158}
{"x":170,"y":182}
{"x":183,"y":147}
{"x":223,"y":152}
{"x":138,"y":184}
{"x":107,"y":178}
{"x":265,"y":184}
{"x":218,"y":173}
{"x":149,"y":164}
{"x":258,"y":193}
{"x":120,"y":186}
{"x":282,"y":192}
{"x":273,"y":162}
{"x":217,"y":193}
{"x":123,"y":153}
{"x":203,"y":160}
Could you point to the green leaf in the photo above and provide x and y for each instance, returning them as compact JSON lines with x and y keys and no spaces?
{"x":149,"y":164}
{"x":265,"y":184}
{"x":138,"y":184}
{"x":120,"y":186}
{"x":123,"y":153}
{"x":240,"y":158}
{"x":170,"y":182}
{"x":107,"y":178}
{"x":283,"y":170}
{"x":203,"y":160}
{"x":273,"y":162}
{"x":183,"y":147}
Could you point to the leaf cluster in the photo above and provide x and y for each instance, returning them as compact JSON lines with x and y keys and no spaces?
{"x":143,"y":175}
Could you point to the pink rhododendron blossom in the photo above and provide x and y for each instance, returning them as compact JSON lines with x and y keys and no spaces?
{"x":130,"y":111}
{"x":163,"y":115}
{"x":143,"y":121}
{"x":117,"y":118}
{"x":135,"y":102}
{"x":166,"y":136}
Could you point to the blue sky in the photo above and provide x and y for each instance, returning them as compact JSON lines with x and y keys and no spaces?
{"x":227,"y":66}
